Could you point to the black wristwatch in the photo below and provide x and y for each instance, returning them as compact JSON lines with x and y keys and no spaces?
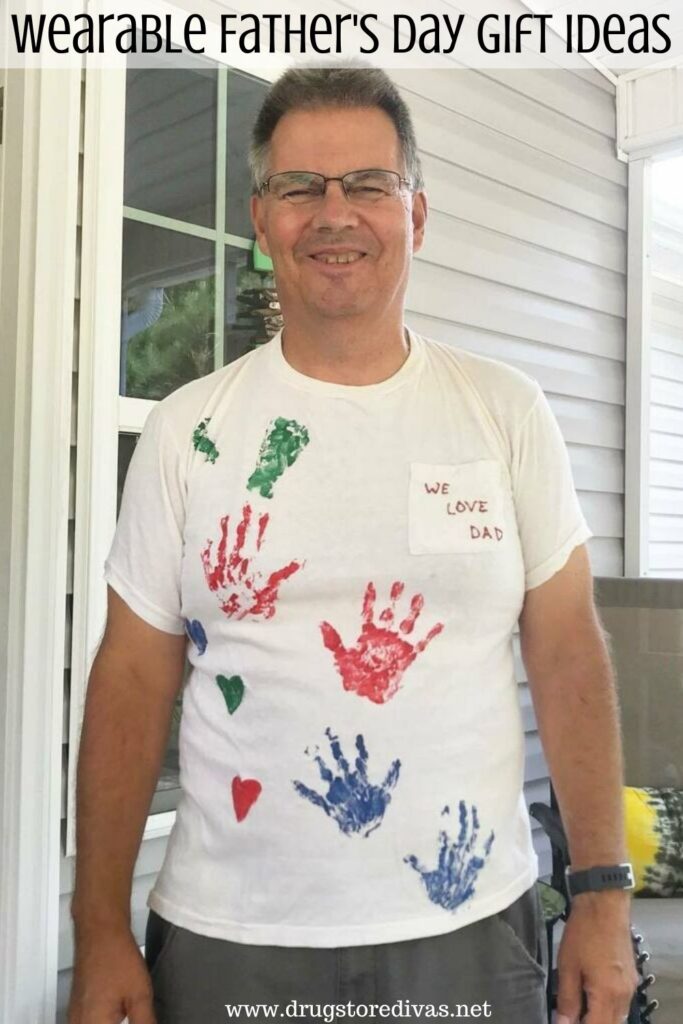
{"x":610,"y":876}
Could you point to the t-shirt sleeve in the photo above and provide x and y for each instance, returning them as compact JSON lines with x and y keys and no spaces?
{"x":549,"y":518}
{"x":143,"y":564}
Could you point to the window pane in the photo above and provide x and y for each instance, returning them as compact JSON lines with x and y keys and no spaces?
{"x":167,"y":310}
{"x":167,"y":792}
{"x":127,"y":444}
{"x":245,"y":95}
{"x":250,"y":295}
{"x":170,"y":159}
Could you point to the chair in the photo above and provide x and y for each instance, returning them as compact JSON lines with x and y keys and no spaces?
{"x":556,"y":905}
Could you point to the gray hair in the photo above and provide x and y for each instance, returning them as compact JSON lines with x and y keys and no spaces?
{"x":307,"y":88}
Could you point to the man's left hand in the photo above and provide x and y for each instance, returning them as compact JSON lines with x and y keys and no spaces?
{"x":596,"y":956}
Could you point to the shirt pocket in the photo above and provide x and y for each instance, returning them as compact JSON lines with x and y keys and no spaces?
{"x":456,"y":508}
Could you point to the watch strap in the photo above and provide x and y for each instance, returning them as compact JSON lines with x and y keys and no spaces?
{"x":603,"y":876}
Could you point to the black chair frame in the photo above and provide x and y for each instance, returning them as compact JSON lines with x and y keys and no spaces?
{"x":642,"y":1008}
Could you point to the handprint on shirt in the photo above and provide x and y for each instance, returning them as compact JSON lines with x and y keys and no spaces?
{"x":240,"y":588}
{"x":451,"y":882}
{"x":280,"y":448}
{"x":355,"y":803}
{"x":201,"y":442}
{"x":374,"y":667}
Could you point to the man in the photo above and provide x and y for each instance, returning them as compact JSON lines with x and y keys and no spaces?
{"x":341,"y":530}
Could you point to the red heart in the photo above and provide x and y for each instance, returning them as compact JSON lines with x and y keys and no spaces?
{"x":244,"y":793}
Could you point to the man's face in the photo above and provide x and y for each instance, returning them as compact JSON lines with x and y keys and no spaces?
{"x":333,"y":141}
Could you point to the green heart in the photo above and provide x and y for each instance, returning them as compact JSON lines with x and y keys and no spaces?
{"x":233,"y":691}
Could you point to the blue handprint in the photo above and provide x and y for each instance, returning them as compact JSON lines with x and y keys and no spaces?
{"x":452,"y":881}
{"x":352,"y":800}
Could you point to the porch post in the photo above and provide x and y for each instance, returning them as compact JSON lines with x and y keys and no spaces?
{"x":38,"y":246}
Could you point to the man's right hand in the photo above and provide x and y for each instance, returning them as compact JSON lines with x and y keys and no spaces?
{"x":133,"y":685}
{"x":110,"y":981}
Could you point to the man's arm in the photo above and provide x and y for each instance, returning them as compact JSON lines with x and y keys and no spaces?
{"x":134,"y":681}
{"x":572,"y":687}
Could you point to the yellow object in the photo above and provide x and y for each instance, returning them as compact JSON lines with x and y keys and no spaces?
{"x":654,"y":838}
{"x":641,"y":839}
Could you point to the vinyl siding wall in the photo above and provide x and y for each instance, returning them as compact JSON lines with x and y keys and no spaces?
{"x":665,"y":549}
{"x":524,"y":261}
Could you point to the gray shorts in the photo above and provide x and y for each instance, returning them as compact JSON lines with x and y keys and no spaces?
{"x":494,"y":969}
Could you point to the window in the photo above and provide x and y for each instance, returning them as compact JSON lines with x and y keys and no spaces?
{"x":665,"y":344}
{"x":191,"y":299}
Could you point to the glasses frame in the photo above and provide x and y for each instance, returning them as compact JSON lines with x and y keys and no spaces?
{"x":264,"y":186}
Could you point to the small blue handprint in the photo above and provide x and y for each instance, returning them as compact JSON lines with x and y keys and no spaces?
{"x":452,"y":881}
{"x":356,"y":804}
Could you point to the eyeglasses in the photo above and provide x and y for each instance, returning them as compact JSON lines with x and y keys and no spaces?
{"x":367,"y":186}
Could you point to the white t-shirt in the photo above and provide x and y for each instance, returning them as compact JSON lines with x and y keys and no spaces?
{"x":349,"y":563}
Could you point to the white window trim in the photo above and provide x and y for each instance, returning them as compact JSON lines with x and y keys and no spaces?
{"x":656,"y":92}
{"x":40,"y":204}
{"x":637,"y":411}
{"x":133,"y":413}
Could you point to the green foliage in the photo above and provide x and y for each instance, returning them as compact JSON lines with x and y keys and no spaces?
{"x":178,"y":347}
{"x":665,"y":877}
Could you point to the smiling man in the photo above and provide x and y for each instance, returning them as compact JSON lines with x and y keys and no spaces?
{"x":342,"y":254}
{"x":343,"y":560}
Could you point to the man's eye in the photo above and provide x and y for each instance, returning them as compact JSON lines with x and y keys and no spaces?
{"x":292,"y":193}
{"x":368,"y":189}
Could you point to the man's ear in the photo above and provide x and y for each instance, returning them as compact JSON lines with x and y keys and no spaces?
{"x":419,"y":215}
{"x":257,"y":219}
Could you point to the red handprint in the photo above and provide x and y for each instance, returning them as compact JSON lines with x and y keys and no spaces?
{"x":373,"y":668}
{"x":240,"y":590}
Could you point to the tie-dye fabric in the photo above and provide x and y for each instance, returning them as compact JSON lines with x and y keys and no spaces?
{"x":348,"y":564}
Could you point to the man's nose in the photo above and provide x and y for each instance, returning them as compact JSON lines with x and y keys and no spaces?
{"x":333,"y":209}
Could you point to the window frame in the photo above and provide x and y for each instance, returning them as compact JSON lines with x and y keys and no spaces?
{"x":637,"y":397}
{"x":102,"y":413}
{"x":649,"y":128}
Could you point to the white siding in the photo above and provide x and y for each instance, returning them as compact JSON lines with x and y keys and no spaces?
{"x":665,"y":550}
{"x":524,"y":261}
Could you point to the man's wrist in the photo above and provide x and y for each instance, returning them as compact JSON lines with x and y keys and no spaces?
{"x":96,"y":919}
{"x":617,"y":901}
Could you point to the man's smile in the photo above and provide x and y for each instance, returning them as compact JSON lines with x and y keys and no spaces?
{"x":336,"y":257}
{"x":339,"y":257}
